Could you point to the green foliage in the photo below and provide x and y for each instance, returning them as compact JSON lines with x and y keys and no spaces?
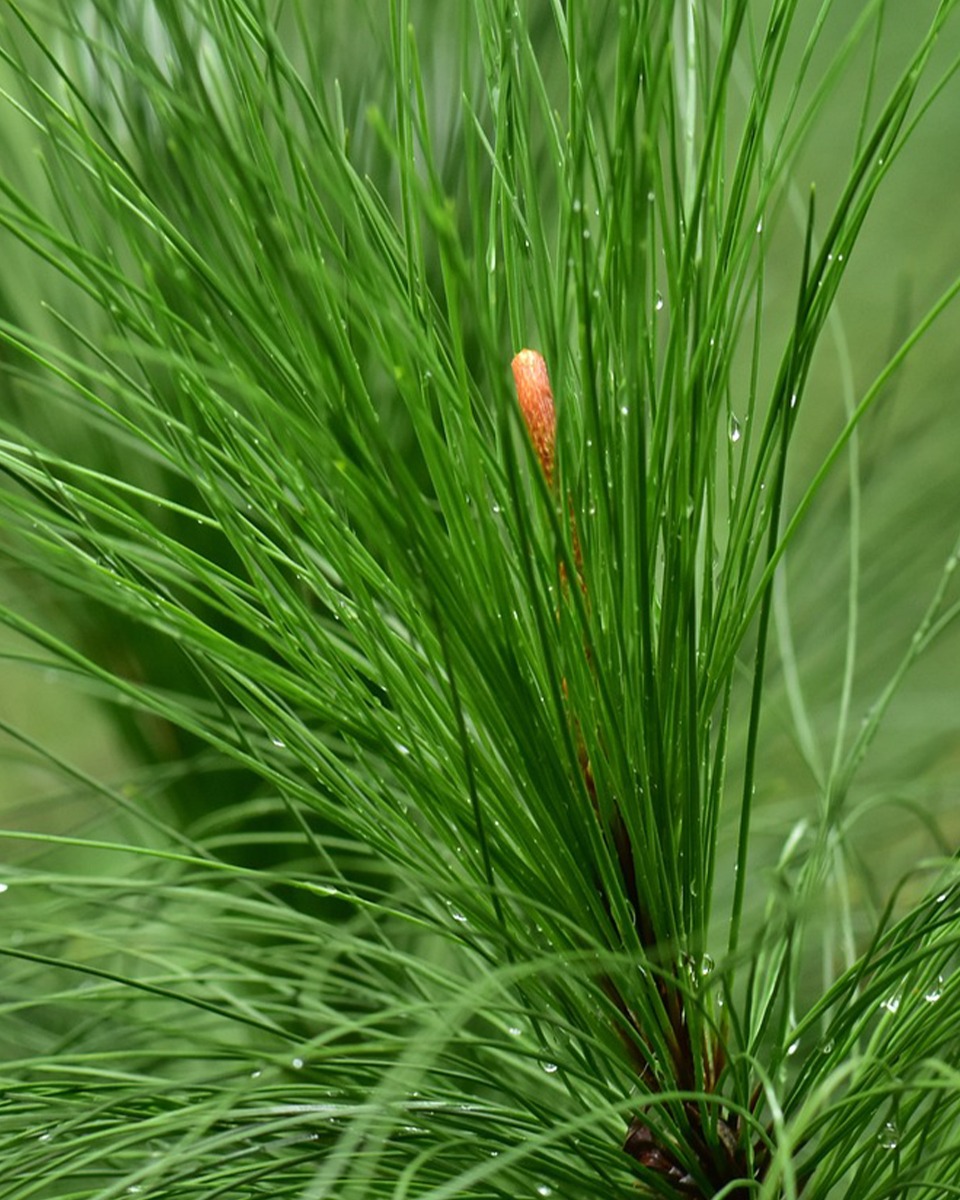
{"x":435,"y":873}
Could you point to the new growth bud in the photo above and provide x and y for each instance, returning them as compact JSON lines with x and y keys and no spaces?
{"x":536,"y":404}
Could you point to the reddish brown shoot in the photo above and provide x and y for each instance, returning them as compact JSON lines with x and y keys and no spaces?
{"x":536,"y":403}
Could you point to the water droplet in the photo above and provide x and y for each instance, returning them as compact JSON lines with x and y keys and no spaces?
{"x":624,"y":410}
{"x":892,"y":1003}
{"x":404,"y":750}
{"x":496,"y":508}
{"x":793,"y":400}
{"x":577,"y":205}
{"x":281,"y":745}
{"x":3,"y":888}
{"x":934,"y":994}
{"x":828,"y":1047}
{"x":458,"y":916}
{"x":256,"y":1074}
{"x":659,"y":303}
{"x":706,"y":965}
{"x":941,"y":897}
{"x":793,"y":1047}
{"x":297,"y":1064}
{"x":515,"y":1031}
{"x":736,"y":430}
{"x":889,"y":1136}
{"x":134,"y":1189}
{"x":550,"y":1067}
{"x":544,"y":1189}
{"x":760,"y":225}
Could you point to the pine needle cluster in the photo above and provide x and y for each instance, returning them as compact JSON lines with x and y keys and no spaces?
{"x":434,"y":865}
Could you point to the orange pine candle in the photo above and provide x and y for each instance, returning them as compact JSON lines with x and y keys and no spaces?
{"x":539,"y":414}
{"x":536,"y":403}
